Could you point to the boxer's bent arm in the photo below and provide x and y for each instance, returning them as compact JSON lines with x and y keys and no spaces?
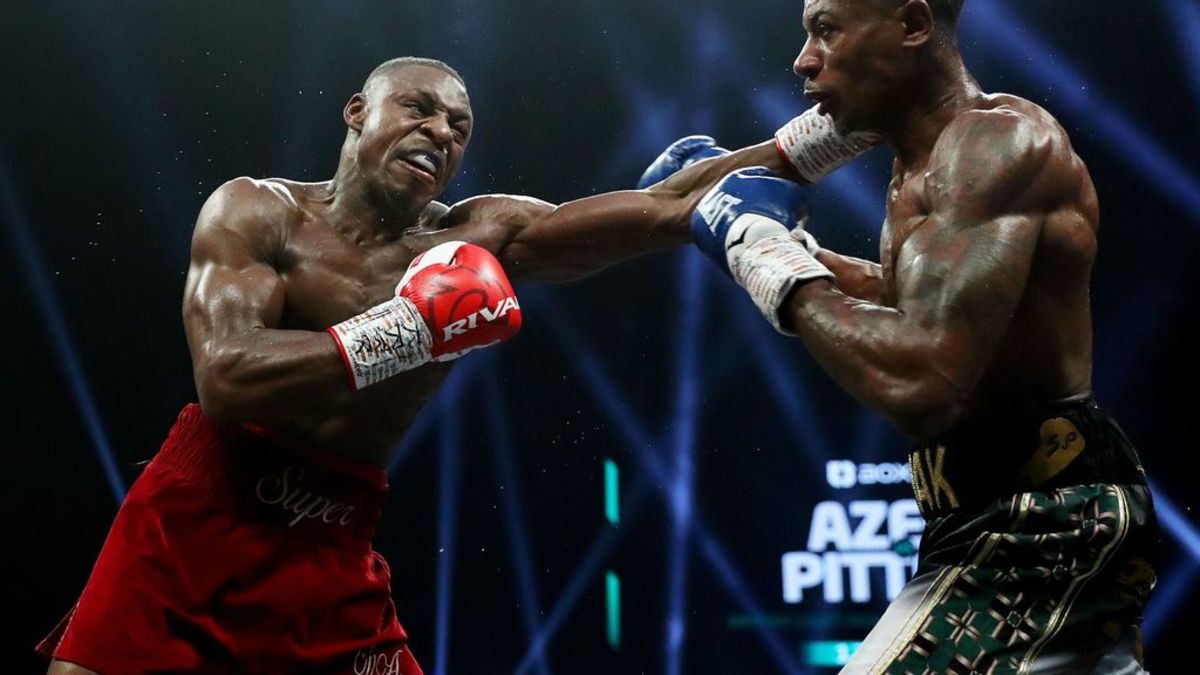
{"x":960,"y":277}
{"x":537,"y":241}
{"x":857,"y":278}
{"x":246,"y":369}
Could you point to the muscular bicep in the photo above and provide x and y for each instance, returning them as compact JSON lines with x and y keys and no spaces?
{"x":963,"y":273}
{"x":495,"y":222}
{"x":962,"y":290}
{"x":232,"y":285}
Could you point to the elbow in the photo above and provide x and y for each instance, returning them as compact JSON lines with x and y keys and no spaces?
{"x":220,"y":396}
{"x":673,"y":207}
{"x":924,"y":405}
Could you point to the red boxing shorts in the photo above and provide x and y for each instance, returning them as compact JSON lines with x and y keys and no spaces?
{"x":239,"y":552}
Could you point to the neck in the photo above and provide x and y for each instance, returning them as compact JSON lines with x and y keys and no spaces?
{"x":941,"y":92}
{"x":369,"y":215}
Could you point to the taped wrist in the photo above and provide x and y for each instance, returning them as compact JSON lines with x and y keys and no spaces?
{"x":815,"y":148}
{"x":771,"y":267}
{"x":383,"y":341}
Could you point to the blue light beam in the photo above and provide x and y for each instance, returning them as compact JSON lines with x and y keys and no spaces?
{"x":587,"y":570}
{"x":449,"y":474}
{"x":508,"y":490}
{"x":691,"y":319}
{"x":1155,"y":166}
{"x":30,"y":258}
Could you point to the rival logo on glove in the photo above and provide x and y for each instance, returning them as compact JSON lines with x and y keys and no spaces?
{"x":462,"y":326}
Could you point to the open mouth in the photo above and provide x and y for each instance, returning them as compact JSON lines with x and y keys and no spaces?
{"x":425,"y":164}
{"x":823,"y":99}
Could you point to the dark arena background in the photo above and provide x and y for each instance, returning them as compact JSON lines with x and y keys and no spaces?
{"x":647,"y":480}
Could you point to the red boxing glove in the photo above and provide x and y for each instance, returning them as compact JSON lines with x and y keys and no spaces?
{"x":464,"y":296}
{"x":454,"y":298}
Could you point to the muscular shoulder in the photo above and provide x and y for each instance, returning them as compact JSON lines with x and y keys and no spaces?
{"x":257,"y":212}
{"x":504,"y":207}
{"x":1008,"y":155}
{"x":493,"y":220}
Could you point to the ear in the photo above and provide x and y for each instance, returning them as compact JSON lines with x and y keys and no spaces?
{"x":917,"y":18}
{"x":355,"y":112}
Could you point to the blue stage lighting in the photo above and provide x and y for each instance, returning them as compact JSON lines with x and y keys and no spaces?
{"x":687,"y":372}
{"x":588,"y":365}
{"x":449,"y":473}
{"x":1185,"y":19}
{"x":1176,"y":523}
{"x":605,"y":393}
{"x":785,"y":391}
{"x":508,"y":492}
{"x":1071,"y":91}
{"x":30,"y":257}
{"x":1170,"y":594}
{"x":447,"y":397}
{"x":728,"y":575}
{"x":588,"y":569}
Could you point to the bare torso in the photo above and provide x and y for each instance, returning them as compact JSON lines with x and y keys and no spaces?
{"x":1045,"y":353}
{"x":325,"y":275}
{"x":328,"y":277}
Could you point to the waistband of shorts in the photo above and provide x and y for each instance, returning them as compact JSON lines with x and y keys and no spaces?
{"x":196,"y":447}
{"x":1034,"y":447}
{"x":271,"y":481}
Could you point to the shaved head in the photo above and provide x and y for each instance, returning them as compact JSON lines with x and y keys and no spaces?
{"x":945,"y":12}
{"x":385,"y":69}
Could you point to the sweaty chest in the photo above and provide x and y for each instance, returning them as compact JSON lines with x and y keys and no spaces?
{"x":329,"y":278}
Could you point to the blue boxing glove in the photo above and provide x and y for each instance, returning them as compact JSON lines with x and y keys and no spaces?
{"x":682,"y":153}
{"x":751,"y":225}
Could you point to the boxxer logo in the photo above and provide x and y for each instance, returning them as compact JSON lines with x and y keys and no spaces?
{"x":844,"y":474}
{"x":462,"y":326}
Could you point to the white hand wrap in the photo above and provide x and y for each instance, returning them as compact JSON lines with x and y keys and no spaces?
{"x":769,"y":268}
{"x":387,"y":339}
{"x":814,"y":146}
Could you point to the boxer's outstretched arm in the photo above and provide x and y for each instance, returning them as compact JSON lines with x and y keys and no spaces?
{"x":959,"y":278}
{"x":538,"y":241}
{"x":245,"y":367}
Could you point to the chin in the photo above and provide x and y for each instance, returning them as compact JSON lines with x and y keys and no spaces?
{"x":843,"y":126}
{"x":398,"y":195}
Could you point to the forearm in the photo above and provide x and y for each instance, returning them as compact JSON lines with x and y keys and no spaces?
{"x":882,"y":356}
{"x":586,"y":235}
{"x":695,"y":180}
{"x":268,"y":375}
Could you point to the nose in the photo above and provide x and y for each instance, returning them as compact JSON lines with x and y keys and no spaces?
{"x":437,"y":127}
{"x":808,"y":62}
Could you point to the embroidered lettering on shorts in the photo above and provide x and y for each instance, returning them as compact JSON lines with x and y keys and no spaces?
{"x":932,"y":489}
{"x":283,"y":490}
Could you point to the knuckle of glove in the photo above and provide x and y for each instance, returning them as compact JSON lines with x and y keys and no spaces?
{"x":467,"y":303}
{"x":677,"y":156}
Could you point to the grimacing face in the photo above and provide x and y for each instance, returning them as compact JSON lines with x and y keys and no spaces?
{"x":852,"y":60}
{"x":415,"y":122}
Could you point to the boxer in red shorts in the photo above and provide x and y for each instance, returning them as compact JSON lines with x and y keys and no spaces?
{"x":320,"y":318}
